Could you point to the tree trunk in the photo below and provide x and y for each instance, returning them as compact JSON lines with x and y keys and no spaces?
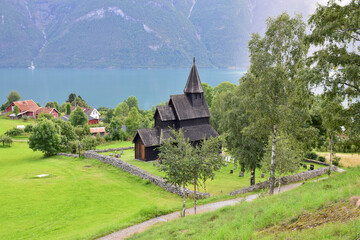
{"x":279,"y":177}
{"x":272,"y":168}
{"x":195,"y":196}
{"x":331,"y":148}
{"x":184,"y":202}
{"x":252,"y":177}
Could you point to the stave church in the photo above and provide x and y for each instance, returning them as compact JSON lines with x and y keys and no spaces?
{"x":188,"y":111}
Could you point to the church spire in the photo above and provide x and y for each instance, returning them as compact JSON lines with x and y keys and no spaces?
{"x":193,"y":84}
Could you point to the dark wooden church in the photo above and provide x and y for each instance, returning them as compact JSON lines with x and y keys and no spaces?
{"x":188,"y":111}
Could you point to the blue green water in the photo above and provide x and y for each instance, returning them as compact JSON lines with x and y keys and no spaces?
{"x":105,"y":87}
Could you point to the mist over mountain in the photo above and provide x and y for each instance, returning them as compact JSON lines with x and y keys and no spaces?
{"x":134,"y":34}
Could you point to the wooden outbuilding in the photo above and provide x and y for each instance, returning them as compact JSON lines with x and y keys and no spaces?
{"x":188,"y":111}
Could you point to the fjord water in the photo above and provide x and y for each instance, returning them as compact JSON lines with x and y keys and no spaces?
{"x":105,"y":87}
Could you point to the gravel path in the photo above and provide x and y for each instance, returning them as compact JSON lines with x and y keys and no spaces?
{"x":127,"y":232}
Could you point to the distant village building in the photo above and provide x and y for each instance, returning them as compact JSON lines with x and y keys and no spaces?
{"x":98,"y":131}
{"x":92,"y":114}
{"x":188,"y":111}
{"x":29,"y":108}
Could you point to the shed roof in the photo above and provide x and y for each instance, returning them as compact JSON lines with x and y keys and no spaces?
{"x":185,"y":110}
{"x":166,"y":113}
{"x":98,"y":130}
{"x":193,"y":84}
{"x":47,"y":110}
{"x":149,"y":136}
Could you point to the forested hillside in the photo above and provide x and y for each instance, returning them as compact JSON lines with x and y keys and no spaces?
{"x":127,"y":33}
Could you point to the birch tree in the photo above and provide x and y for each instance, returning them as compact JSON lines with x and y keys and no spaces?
{"x":275,"y":92}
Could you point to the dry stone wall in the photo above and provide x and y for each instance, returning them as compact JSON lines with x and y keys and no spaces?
{"x":142,"y":174}
{"x":68,"y":155}
{"x":287,"y":179}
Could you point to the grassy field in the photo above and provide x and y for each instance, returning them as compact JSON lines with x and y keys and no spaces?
{"x":6,"y":124}
{"x":248,"y":220}
{"x":115,"y":144}
{"x":81,"y":199}
{"x":347,"y":159}
{"x":223,"y":183}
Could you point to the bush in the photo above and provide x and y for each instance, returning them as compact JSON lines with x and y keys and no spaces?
{"x":321,"y":159}
{"x":28,"y":128}
{"x":336,"y":161}
{"x":311,"y":155}
{"x":25,"y":118}
{"x":89,"y":143}
{"x":108,"y":138}
{"x":5,"y":140}
{"x":14,"y":132}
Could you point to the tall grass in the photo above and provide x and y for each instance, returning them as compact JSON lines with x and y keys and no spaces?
{"x":246,"y":219}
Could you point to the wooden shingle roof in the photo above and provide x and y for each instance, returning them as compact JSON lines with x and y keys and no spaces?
{"x":193,"y":84}
{"x":166,"y":113}
{"x":184,"y":110}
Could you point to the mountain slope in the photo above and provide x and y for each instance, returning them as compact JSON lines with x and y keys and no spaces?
{"x":127,"y":33}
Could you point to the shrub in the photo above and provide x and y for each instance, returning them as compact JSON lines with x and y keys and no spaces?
{"x":14,"y":132}
{"x":311,"y":155}
{"x":28,"y":128}
{"x":336,"y":161}
{"x":108,"y":138}
{"x":321,"y":159}
{"x":25,"y":118}
{"x":5,"y":140}
{"x":88,"y":143}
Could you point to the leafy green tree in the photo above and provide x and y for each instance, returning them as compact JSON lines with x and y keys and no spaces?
{"x":71,"y":98}
{"x":134,"y":121}
{"x":122,"y":110}
{"x":288,"y":157}
{"x":176,"y":160}
{"x":115,"y":129}
{"x":80,"y":102}
{"x":89,"y":143}
{"x":224,"y":86}
{"x":13,"y":97}
{"x":68,"y":109}
{"x":276,"y":93}
{"x":334,"y":117}
{"x":67,"y":133}
{"x":78,"y":117}
{"x":16,"y":110}
{"x":245,"y":144}
{"x":82,"y":131}
{"x":53,"y":105}
{"x":208,"y":93}
{"x":335,"y":31}
{"x":109,"y":115}
{"x":5,"y":140}
{"x":132,"y":102}
{"x":205,"y":160}
{"x":45,"y":138}
{"x":45,"y":115}
{"x":13,"y":132}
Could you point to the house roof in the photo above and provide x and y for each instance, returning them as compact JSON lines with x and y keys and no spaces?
{"x":87,"y":111}
{"x":151,"y":136}
{"x":185,"y":110}
{"x":65,"y":118}
{"x":97,"y":130}
{"x":47,"y":110}
{"x":193,"y":84}
{"x":166,"y":113}
{"x":26,"y":105}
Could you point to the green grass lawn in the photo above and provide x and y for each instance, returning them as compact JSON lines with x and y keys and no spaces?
{"x":115,"y":144}
{"x":247,"y":220}
{"x":224,"y":182}
{"x":6,"y":124}
{"x":82,"y":198}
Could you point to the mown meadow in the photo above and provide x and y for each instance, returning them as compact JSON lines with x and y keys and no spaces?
{"x":80,"y":199}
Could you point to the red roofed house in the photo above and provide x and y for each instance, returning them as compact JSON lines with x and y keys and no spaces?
{"x":30,"y":109}
{"x":26,"y":108}
{"x":98,"y":130}
{"x":47,"y":110}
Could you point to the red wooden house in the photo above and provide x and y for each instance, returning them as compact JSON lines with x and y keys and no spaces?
{"x":30,"y":109}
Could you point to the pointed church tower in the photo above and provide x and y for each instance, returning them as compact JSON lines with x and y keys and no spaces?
{"x":193,"y":89}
